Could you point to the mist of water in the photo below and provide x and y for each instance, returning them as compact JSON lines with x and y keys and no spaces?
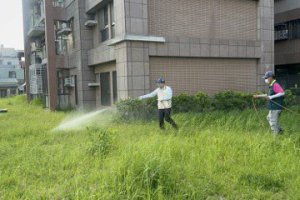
{"x":80,"y":121}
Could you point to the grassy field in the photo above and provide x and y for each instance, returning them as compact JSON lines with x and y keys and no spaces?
{"x":214,"y":156}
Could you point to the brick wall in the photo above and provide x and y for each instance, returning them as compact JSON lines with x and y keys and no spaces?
{"x":190,"y":75}
{"x":218,"y":19}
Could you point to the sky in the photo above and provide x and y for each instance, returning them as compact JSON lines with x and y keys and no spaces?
{"x":11,"y":23}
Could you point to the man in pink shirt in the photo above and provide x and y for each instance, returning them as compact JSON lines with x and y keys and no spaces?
{"x":275,"y":99}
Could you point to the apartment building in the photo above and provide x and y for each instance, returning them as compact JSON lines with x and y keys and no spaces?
{"x":287,"y":42}
{"x":11,"y":72}
{"x":91,"y":53}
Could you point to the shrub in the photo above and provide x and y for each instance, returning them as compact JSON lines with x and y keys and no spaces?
{"x":147,"y":109}
{"x":37,"y":102}
{"x":137,"y":109}
{"x":230,"y":100}
{"x":191,"y":103}
{"x":183,"y":103}
{"x":290,"y":99}
{"x":200,"y":102}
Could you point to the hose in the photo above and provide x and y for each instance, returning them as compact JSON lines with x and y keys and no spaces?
{"x":261,"y":121}
{"x":257,"y":114}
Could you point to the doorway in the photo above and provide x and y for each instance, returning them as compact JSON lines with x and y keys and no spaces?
{"x":105,"y":89}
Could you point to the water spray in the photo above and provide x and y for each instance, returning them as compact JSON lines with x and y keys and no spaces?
{"x":79,"y":121}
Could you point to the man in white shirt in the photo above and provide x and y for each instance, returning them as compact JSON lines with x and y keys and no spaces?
{"x":164,"y":96}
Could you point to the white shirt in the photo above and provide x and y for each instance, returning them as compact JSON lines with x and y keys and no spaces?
{"x":164,"y":97}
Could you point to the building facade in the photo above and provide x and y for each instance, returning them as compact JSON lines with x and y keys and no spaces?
{"x":92,"y":53}
{"x":287,"y":42}
{"x":11,"y":72}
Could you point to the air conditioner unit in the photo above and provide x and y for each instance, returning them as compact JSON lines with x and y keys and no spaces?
{"x":64,"y":29}
{"x":69,"y":82}
{"x":58,"y":3}
{"x":91,"y":23}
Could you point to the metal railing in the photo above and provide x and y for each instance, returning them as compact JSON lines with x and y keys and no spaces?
{"x":35,"y":21}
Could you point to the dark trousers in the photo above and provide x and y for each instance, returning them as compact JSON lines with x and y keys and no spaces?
{"x":165,"y":114}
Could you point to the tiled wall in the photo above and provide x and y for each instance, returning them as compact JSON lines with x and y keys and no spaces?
{"x":203,"y":47}
{"x":217,"y":19}
{"x":190,"y":75}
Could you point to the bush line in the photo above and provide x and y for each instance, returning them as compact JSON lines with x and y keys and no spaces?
{"x":200,"y":102}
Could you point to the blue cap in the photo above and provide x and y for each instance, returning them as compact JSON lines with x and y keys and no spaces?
{"x":269,"y":74}
{"x":161,"y":80}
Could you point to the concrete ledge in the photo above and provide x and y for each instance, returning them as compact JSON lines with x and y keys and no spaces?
{"x":101,"y":54}
{"x":94,"y":5}
{"x":136,"y":38}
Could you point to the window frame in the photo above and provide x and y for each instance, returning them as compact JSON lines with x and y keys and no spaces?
{"x":106,"y":21}
{"x":12,"y":74}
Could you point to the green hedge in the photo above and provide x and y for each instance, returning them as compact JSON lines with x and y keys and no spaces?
{"x":230,"y":100}
{"x":200,"y":102}
{"x":187,"y":103}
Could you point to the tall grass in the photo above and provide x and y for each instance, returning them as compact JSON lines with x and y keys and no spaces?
{"x":217,"y":155}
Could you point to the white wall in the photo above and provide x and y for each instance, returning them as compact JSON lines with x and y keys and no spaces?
{"x":286,"y":5}
{"x":9,"y":55}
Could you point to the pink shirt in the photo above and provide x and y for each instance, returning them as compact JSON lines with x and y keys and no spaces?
{"x":277,"y":88}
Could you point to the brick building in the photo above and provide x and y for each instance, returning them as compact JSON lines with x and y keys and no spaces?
{"x":90,"y":53}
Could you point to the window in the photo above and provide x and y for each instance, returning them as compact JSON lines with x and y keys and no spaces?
{"x":3,"y":93}
{"x":12,"y":74}
{"x":295,"y":29}
{"x":62,"y":30}
{"x":105,"y":89}
{"x":104,"y":27}
{"x":107,"y":22}
{"x":115,"y":87}
{"x":13,"y":92}
{"x":287,"y":30}
{"x":76,"y":91}
{"x":281,"y":31}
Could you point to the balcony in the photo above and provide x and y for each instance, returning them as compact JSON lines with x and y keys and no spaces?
{"x":35,"y":28}
{"x":42,"y":8}
{"x":35,"y":77}
{"x":36,"y":58}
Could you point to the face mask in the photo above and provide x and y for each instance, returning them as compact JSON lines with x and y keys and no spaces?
{"x":267,"y":81}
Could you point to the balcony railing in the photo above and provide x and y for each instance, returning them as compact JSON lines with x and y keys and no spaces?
{"x":35,"y":77}
{"x":42,"y":8}
{"x":281,"y":35}
{"x":35,"y":27}
{"x":36,"y":58}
